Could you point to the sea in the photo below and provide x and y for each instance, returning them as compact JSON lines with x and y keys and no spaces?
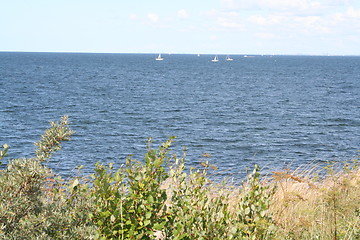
{"x":279,"y":112}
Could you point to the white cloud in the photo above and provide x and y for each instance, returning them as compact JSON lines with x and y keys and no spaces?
{"x":133,"y":16}
{"x":312,"y":25}
{"x":213,"y":37}
{"x":260,"y":20}
{"x":153,"y":17}
{"x":353,"y":13}
{"x":182,"y":14}
{"x":267,"y":21}
{"x":309,"y":20}
{"x":229,"y":23}
{"x":190,"y":28}
{"x":278,"y":5}
{"x":265,"y":35}
{"x":336,"y":2}
{"x":289,"y":4}
{"x":350,"y":14}
{"x":221,"y":20}
{"x":212,"y":13}
{"x":229,"y":3}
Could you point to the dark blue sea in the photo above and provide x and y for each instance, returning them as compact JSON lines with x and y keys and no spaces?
{"x":275,"y":111}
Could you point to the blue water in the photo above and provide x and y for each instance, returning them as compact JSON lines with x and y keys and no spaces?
{"x":278,"y":112}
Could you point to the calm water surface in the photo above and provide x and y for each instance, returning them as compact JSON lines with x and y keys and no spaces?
{"x":277,"y":111}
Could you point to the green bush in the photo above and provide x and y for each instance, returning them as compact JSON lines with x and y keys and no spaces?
{"x":130,"y":203}
{"x":142,"y":200}
{"x":36,"y":205}
{"x":159,"y":198}
{"x":153,"y":199}
{"x":255,"y":220}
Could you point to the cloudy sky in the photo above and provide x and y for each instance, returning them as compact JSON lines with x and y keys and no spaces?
{"x":182,"y":26}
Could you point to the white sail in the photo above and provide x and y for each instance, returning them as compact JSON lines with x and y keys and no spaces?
{"x":215,"y":59}
{"x":159,"y":58}
{"x":229,"y":58}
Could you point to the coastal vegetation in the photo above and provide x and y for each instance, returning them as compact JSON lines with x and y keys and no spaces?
{"x":160,"y":198}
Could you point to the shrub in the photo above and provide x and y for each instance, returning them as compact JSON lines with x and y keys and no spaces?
{"x":130,"y":203}
{"x":253,"y":209}
{"x":33,"y":203}
{"x":159,"y":198}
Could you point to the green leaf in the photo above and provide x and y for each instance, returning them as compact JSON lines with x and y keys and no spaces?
{"x":105,"y":214}
{"x":147,"y":222}
{"x":157,"y":162}
{"x":150,"y":199}
{"x":253,"y":207}
{"x":160,"y":226}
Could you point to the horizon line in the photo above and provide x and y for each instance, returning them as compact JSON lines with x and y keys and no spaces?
{"x":182,"y":53}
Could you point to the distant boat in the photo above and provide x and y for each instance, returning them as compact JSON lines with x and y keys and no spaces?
{"x":215,"y":59}
{"x":229,"y":58}
{"x":159,"y":58}
{"x":198,"y":55}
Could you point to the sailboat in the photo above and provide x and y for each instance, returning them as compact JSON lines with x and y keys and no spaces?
{"x":215,"y":59}
{"x":159,"y":58}
{"x":228,"y":58}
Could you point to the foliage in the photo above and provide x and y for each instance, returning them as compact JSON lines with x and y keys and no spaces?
{"x":130,"y":201}
{"x":253,"y":211}
{"x":3,"y":152}
{"x":52,"y":137}
{"x":160,"y":198}
{"x":34,"y":204}
{"x":144,"y":201}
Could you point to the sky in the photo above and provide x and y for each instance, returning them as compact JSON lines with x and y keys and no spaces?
{"x":311,"y":27}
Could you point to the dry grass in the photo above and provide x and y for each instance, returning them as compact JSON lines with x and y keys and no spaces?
{"x":304,"y":208}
